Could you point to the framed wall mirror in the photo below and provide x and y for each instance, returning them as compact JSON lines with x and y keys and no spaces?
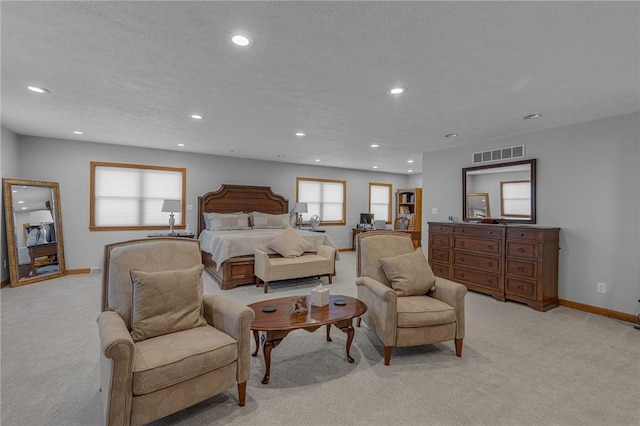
{"x":35,"y":239}
{"x":510,"y":186}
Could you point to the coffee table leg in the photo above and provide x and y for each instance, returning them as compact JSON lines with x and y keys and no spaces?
{"x":346,"y":326}
{"x":256,"y":335}
{"x":329,"y":333}
{"x":272,"y":339}
{"x":350,"y":332}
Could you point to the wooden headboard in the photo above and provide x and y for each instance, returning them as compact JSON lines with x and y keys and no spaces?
{"x":241,"y":198}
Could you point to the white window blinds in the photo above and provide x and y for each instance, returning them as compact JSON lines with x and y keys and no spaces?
{"x":132,"y":196}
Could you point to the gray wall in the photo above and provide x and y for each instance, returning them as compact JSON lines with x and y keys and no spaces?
{"x":588,"y":184}
{"x":67,"y":162}
{"x":8,"y":169}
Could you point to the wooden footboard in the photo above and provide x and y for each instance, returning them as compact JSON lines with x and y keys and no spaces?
{"x":232,"y":273}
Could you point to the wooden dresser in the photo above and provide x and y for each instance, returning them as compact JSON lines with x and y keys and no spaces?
{"x":509,"y":262}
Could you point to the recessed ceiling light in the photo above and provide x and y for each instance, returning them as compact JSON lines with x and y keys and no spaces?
{"x":241,"y":40}
{"x":180,"y":144}
{"x":374,"y":145}
{"x":23,"y":208}
{"x":301,"y":134}
{"x":397,"y":90}
{"x":532,"y":116}
{"x":451,"y":135}
{"x":317,"y":160}
{"x":196,"y":116}
{"x":375,"y":167}
{"x":409,"y":161}
{"x":36,"y":89}
{"x":409,"y":171}
{"x":20,"y":202}
{"x":77,"y":132}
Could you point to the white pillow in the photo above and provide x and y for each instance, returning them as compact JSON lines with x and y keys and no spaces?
{"x":208,"y":218}
{"x":269,"y":221}
{"x":289,"y":244}
{"x":227,"y":222}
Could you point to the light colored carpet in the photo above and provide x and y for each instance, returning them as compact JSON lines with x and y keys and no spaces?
{"x":519,"y":367}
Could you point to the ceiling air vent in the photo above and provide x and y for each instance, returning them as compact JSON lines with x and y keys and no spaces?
{"x":498,"y":154}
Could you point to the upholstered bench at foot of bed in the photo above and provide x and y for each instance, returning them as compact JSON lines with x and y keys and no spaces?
{"x":270,"y":269}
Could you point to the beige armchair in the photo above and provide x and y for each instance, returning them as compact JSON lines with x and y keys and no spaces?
{"x":165,"y":346}
{"x":402,"y":321}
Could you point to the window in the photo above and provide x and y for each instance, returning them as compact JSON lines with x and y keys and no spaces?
{"x":325,"y":198}
{"x":380,"y":201}
{"x":130,"y":196}
{"x":515,"y":198}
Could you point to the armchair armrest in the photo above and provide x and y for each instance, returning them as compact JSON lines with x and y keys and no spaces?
{"x":234,"y":319}
{"x":452,"y":294}
{"x":116,"y":366}
{"x":381,"y":315}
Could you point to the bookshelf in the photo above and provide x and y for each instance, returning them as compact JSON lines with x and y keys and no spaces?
{"x":409,"y":205}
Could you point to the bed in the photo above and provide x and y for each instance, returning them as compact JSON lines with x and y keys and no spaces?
{"x":228,"y":255}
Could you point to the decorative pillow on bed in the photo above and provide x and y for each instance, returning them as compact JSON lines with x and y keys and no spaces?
{"x":228,"y":222}
{"x":208,"y":219}
{"x":269,"y":221}
{"x":409,"y":274}
{"x":166,"y":302}
{"x":289,"y":244}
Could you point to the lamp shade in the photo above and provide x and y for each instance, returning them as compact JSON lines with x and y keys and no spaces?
{"x":300,"y":208}
{"x":171,"y":206}
{"x":38,"y":217}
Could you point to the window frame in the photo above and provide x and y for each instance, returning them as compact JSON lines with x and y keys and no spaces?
{"x":92,"y":198}
{"x":342,"y":222}
{"x":390,"y":201}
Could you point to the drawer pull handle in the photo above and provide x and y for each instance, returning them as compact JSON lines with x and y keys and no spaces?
{"x":520,"y":287}
{"x":490,"y":246}
{"x":522,"y":234}
{"x":439,"y":268}
{"x":521,"y":250}
{"x":461,"y":243}
{"x":520,"y":268}
{"x":489,"y":263}
{"x":462,"y":259}
{"x":461,"y":274}
{"x":489,"y":232}
{"x":440,"y":255}
{"x":489,"y":280}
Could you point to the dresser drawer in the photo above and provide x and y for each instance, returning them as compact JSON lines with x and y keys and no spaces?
{"x":522,"y":269}
{"x":484,"y":246}
{"x":525,"y":234}
{"x":479,"y":231}
{"x":440,"y":255}
{"x":440,"y":269}
{"x":525,"y":250}
{"x":521,"y":287}
{"x":476,"y":277}
{"x":440,"y":240}
{"x":440,"y":228}
{"x":481,"y":262}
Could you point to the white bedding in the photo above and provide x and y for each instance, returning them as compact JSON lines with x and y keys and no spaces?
{"x":223,"y":245}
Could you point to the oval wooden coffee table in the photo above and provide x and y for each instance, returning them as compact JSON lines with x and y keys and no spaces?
{"x":277,"y":324}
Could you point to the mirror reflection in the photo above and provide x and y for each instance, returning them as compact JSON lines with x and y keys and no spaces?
{"x":34,"y":230}
{"x":478,"y":205}
{"x":510,"y":186}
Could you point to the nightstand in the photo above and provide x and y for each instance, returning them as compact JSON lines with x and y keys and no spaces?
{"x":166,"y":234}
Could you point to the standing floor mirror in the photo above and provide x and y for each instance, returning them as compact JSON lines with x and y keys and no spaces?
{"x":34,"y":230}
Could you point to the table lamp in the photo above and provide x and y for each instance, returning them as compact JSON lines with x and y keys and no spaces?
{"x":171,"y":206}
{"x":298,"y":209}
{"x":41,"y":217}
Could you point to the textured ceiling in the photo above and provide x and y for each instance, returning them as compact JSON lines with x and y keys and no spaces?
{"x":129,"y":73}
